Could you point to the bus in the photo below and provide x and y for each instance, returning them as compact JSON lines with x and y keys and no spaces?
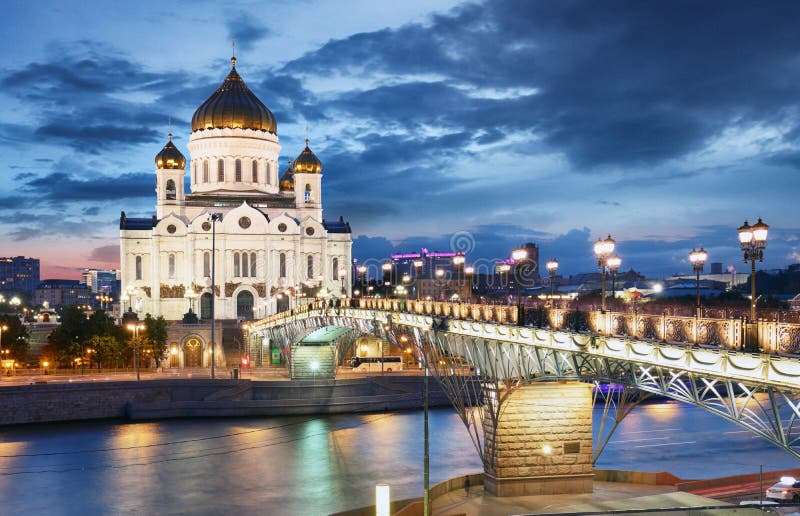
{"x":373,"y":364}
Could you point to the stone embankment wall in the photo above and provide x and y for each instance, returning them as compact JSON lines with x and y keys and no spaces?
{"x":154,"y":399}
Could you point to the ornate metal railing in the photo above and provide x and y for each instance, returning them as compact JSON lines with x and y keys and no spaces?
{"x":729,"y":333}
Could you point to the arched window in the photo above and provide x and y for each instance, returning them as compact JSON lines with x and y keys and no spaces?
{"x":220,"y":171}
{"x":310,"y":266}
{"x":207,"y":264}
{"x":194,"y":172}
{"x":238,"y":170}
{"x":138,"y":267}
{"x":171,"y":266}
{"x":170,"y":190}
{"x":245,"y":267}
{"x":205,"y":171}
{"x":254,"y":177}
{"x":308,"y":193}
{"x":335,"y":273}
{"x":236,"y":265}
{"x":252,"y":265}
{"x":268,"y":172}
{"x":282,"y":265}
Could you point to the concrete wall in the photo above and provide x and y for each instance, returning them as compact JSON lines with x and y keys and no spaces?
{"x":154,"y":399}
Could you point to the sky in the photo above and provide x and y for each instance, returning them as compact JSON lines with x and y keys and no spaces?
{"x":469,"y":126}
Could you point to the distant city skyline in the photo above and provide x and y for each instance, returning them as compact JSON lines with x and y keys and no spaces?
{"x":439,"y":124}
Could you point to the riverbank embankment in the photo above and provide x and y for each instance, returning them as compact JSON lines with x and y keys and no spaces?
{"x":172,"y":398}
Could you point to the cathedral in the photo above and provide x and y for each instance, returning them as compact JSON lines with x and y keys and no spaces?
{"x":271,"y":247}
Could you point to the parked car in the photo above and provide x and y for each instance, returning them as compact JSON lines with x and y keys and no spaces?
{"x":787,"y":489}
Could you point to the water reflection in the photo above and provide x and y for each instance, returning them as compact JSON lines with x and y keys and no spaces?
{"x":313,"y":465}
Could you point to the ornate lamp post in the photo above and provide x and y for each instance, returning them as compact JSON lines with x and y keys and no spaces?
{"x":387,"y":279}
{"x":135,"y":328}
{"x":469,"y":270}
{"x":417,"y":271}
{"x":753,"y":240}
{"x":439,"y":276}
{"x":214,"y":218}
{"x":698,"y":260}
{"x":613,"y":263}
{"x":503,"y":268}
{"x":2,"y":329}
{"x":602,"y":250}
{"x":362,"y":275}
{"x":552,"y":268}
{"x":519,"y":255}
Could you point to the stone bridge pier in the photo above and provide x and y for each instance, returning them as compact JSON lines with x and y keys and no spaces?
{"x":541,"y":442}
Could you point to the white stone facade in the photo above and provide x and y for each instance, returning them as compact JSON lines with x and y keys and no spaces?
{"x":266,"y":242}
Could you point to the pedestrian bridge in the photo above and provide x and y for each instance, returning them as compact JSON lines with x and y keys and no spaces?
{"x":757,"y":390}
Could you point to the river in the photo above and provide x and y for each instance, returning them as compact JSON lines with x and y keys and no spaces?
{"x":313,"y":465}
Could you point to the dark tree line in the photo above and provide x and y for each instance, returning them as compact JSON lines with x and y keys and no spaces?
{"x":100,"y":342}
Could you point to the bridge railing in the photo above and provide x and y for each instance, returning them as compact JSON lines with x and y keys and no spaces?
{"x":729,"y":333}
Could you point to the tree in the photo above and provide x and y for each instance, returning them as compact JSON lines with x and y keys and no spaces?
{"x":65,"y":341}
{"x":14,"y":338}
{"x":155,"y":336}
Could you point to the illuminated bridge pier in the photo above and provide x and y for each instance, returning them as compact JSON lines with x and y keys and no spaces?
{"x":505,"y":382}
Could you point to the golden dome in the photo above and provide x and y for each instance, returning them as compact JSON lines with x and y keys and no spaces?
{"x":286,"y":183}
{"x":234,"y":106}
{"x":307,"y":162}
{"x":170,"y":157}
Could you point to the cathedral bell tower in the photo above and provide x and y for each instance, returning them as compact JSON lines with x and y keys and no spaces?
{"x":308,"y":182}
{"x":170,"y":169}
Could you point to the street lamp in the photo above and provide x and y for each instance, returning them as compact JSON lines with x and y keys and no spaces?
{"x":503,"y":268}
{"x":135,"y":328}
{"x":613,"y":263}
{"x":362,"y":274}
{"x":753,"y":240}
{"x":469,"y":270}
{"x":2,"y":329}
{"x":214,"y":218}
{"x":439,"y":275}
{"x":417,"y":270}
{"x":552,"y":268}
{"x":387,"y":279}
{"x":519,"y":255}
{"x":602,"y":250}
{"x":698,"y":259}
{"x":190,"y":295}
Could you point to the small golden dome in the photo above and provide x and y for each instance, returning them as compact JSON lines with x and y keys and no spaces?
{"x":307,"y":162}
{"x":170,"y":157}
{"x":286,"y":183}
{"x":234,"y":106}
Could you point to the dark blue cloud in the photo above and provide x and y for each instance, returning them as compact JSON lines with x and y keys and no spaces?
{"x":631,"y":83}
{"x":247,"y":29}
